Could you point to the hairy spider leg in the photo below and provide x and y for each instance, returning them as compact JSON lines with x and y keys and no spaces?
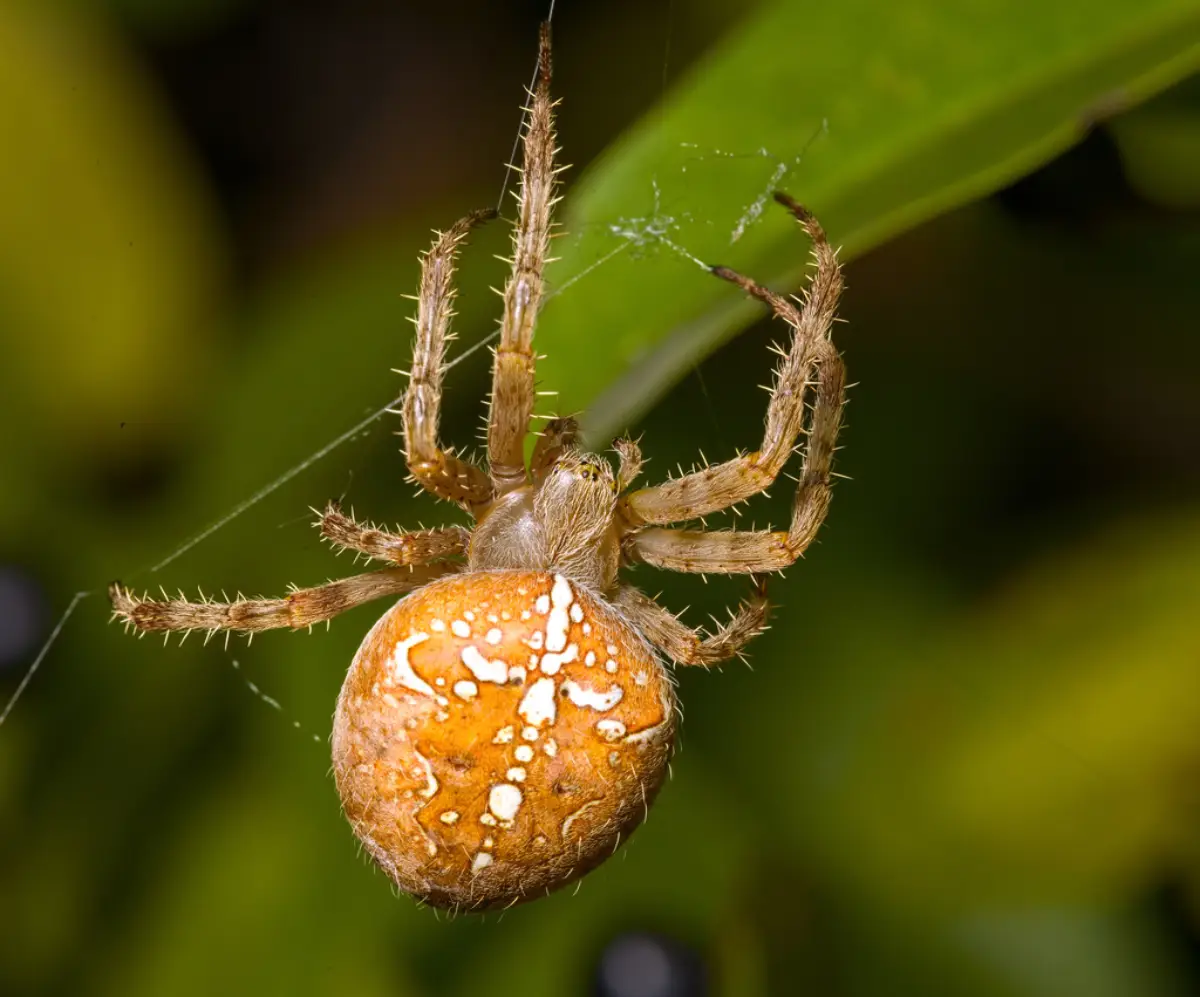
{"x":438,"y":470}
{"x":408,"y":548}
{"x":686,"y":646}
{"x":811,"y":373}
{"x":513,"y":372}
{"x":300,"y":608}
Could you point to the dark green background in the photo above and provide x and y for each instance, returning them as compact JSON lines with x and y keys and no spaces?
{"x":966,"y":759}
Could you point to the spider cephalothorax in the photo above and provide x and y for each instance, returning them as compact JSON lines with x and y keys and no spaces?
{"x":505,"y":725}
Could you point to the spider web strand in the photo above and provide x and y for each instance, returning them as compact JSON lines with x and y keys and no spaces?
{"x":45,"y":649}
{"x":304,"y":465}
{"x":512,"y":156}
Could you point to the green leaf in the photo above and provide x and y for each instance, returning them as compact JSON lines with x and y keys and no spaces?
{"x":110,"y":257}
{"x":1027,"y":754}
{"x":878,"y":116}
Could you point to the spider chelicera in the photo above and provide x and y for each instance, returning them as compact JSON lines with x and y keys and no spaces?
{"x":506,"y":724}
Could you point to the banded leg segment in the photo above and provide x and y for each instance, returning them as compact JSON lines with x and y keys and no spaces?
{"x":301,"y":608}
{"x":686,"y":646}
{"x":437,"y":470}
{"x":811,"y":355}
{"x":718,"y":552}
{"x":418,"y":547}
{"x":763,"y":551}
{"x":513,"y":372}
{"x":557,"y":436}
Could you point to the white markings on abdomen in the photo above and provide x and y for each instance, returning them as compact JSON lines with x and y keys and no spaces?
{"x":484,"y":669}
{"x":402,"y":669}
{"x":561,"y":597}
{"x":504,"y":801}
{"x":538,"y":705}
{"x":552,"y":662}
{"x":590,"y":698}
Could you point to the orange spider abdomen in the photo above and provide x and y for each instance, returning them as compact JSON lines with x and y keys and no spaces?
{"x":497,"y":736}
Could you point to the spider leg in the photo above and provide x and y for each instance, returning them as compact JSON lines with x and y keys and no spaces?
{"x":686,"y":646}
{"x":760,"y":551}
{"x":418,"y":547}
{"x":717,"y":552}
{"x":513,"y":371}
{"x":437,"y":470}
{"x":301,"y":608}
{"x":811,"y":364}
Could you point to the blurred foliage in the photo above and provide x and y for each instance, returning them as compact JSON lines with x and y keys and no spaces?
{"x":966,"y":760}
{"x":1160,"y":149}
{"x":91,"y":167}
{"x":936,"y":104}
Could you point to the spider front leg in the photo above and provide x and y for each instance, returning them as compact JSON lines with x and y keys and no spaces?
{"x":513,"y":372}
{"x":418,"y":547}
{"x":722,"y":485}
{"x":302,"y":608}
{"x":762,"y":551}
{"x":686,"y":646}
{"x":437,"y":470}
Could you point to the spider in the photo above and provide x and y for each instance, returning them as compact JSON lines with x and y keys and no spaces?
{"x":508,"y":721}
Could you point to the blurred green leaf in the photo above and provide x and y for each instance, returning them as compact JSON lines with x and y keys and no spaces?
{"x":1160,"y":148}
{"x":109,"y":253}
{"x":927,"y":105}
{"x":1037,"y":752}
